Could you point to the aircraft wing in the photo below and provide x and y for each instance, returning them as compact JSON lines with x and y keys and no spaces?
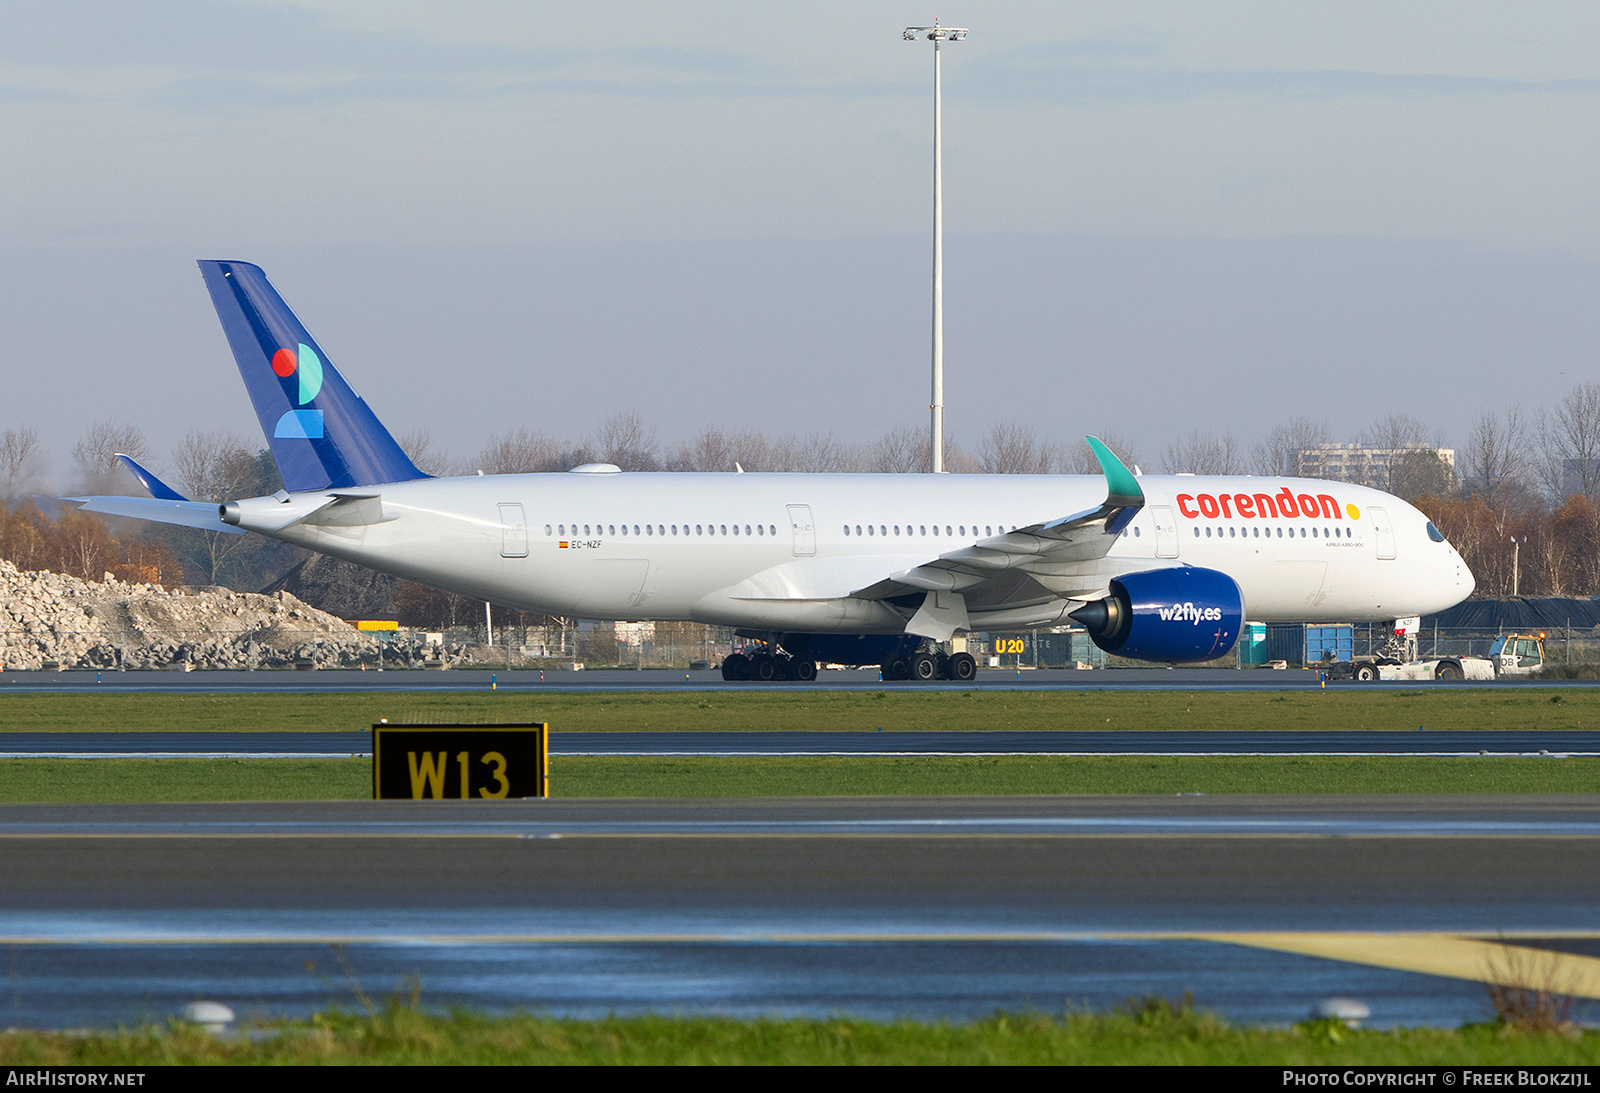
{"x":1062,"y":555}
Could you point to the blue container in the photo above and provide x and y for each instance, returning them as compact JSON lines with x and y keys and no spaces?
{"x":1340,"y":640}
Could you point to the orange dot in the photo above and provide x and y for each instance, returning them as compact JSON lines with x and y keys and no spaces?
{"x":1355,"y":513}
{"x":283,"y":362}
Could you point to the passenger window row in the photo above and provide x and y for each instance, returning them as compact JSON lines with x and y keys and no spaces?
{"x":1255,"y":532}
{"x":950,"y":531}
{"x":664,"y":529}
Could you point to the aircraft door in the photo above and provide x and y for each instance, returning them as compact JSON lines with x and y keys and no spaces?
{"x":1166,"y":531}
{"x":1383,"y":532}
{"x":805,"y":535}
{"x":513,"y":532}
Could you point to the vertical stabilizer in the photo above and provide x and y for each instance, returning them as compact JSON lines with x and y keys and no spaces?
{"x":322,"y":433}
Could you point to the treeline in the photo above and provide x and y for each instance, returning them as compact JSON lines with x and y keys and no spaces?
{"x":208,"y":466}
{"x":1522,"y":494}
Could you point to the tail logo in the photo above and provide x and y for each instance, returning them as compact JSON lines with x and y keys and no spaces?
{"x":302,"y":375}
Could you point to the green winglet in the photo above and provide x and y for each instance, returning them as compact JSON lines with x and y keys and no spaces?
{"x":1122,"y":489}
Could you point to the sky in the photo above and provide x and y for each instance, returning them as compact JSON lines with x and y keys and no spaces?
{"x":1160,"y":216}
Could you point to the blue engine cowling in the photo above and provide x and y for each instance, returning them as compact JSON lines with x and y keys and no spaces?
{"x":1180,"y":615}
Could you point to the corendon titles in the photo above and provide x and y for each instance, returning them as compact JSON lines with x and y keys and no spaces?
{"x":1264,"y":506}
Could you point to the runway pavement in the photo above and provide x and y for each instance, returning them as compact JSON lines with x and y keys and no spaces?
{"x":796,"y":742}
{"x":1113,"y":679}
{"x":881,"y":906}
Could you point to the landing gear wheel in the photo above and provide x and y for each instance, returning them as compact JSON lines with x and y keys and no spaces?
{"x":764,"y":668}
{"x":803,"y":669}
{"x":1449,"y":671}
{"x":1366,"y":673}
{"x":735,"y":668}
{"x":924,"y":667}
{"x":963,"y":668}
{"x":898,"y":668}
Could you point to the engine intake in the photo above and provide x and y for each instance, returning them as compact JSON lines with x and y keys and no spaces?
{"x":1181,"y":615}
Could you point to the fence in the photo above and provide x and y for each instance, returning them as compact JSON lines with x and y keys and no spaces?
{"x":1563,"y":645}
{"x":635,"y":646}
{"x":267,"y":648}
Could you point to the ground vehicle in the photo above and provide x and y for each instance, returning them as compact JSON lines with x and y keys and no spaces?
{"x":1510,"y":655}
{"x":1517,"y":654}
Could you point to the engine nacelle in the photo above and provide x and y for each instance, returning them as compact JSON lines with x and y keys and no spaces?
{"x":1172,"y":616}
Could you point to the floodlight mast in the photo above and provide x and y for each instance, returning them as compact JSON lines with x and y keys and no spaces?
{"x":937,"y":34}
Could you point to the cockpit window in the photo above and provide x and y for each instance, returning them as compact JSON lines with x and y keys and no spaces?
{"x":1434,"y":533}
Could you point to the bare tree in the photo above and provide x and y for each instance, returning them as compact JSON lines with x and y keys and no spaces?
{"x":821,"y":453}
{"x":1397,"y":437}
{"x":1278,"y":455}
{"x":1012,"y":448}
{"x":901,"y":450}
{"x":709,"y":451}
{"x":1203,"y":453}
{"x":520,"y":452}
{"x":1569,"y":444}
{"x":751,"y":451}
{"x":1421,"y":471}
{"x":714,"y":450}
{"x":213,"y":466}
{"x":625,"y":440}
{"x":1496,"y":458}
{"x":418,"y":444}
{"x":21,"y":461}
{"x":96,"y":455}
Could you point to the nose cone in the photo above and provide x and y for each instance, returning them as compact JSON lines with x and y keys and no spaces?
{"x":1449,"y":581}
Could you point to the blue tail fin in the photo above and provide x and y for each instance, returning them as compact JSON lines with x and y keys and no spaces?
{"x":321,"y":432}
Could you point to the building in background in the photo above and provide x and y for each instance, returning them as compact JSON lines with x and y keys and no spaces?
{"x":1409,"y":469}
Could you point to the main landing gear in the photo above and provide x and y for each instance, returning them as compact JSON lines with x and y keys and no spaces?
{"x":925,"y":666}
{"x":771,"y":664}
{"x":768,"y":666}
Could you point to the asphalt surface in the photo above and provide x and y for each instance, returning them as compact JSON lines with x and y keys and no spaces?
{"x":881,"y":906}
{"x":1114,"y":679}
{"x":841,"y":867}
{"x":804,"y":742}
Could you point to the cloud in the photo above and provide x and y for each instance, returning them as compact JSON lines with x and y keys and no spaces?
{"x":265,"y":40}
{"x":241,"y":57}
{"x":211,"y":58}
{"x":13,"y":94}
{"x":1133,"y":67}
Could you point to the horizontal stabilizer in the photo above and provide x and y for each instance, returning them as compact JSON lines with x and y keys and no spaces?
{"x":189,"y":514}
{"x":158,"y":489}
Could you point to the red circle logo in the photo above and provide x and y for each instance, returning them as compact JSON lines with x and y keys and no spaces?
{"x":283,"y":362}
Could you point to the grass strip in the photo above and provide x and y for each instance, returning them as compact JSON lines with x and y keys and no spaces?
{"x":1148,"y":1032}
{"x":74,"y":781}
{"x":1346,"y":707}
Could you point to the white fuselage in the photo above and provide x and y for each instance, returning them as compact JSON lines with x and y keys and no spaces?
{"x":784,"y":552}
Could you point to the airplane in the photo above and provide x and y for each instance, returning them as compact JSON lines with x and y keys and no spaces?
{"x":855,"y":569}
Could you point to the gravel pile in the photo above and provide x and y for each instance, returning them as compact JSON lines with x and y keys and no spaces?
{"x":50,"y":620}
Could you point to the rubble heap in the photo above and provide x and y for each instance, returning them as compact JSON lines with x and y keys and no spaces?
{"x":50,"y":620}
